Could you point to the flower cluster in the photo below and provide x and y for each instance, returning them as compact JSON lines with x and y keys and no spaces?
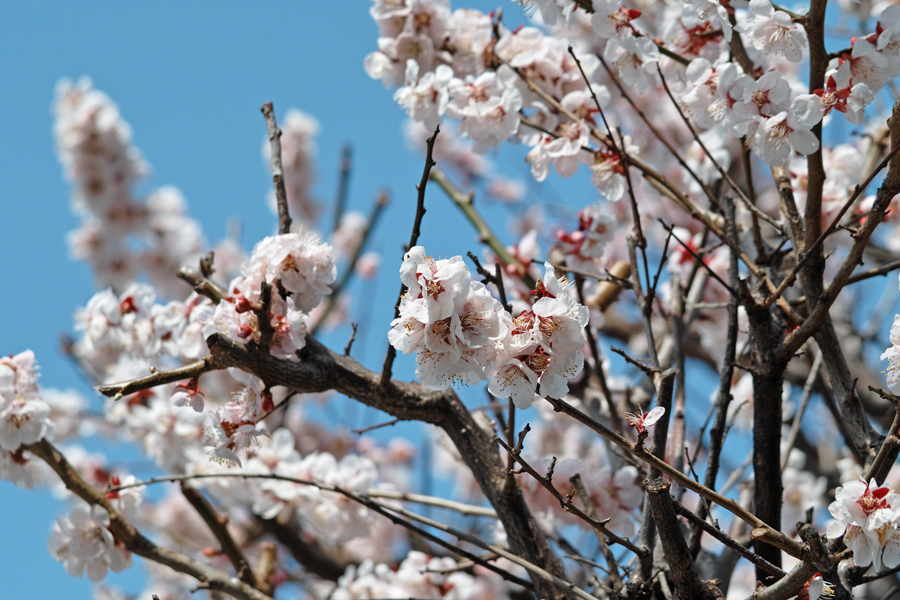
{"x":24,"y":417}
{"x":418,"y":576}
{"x":868,"y":516}
{"x":461,"y":65}
{"x":596,"y":227}
{"x":120,"y":235}
{"x":543,"y":347}
{"x":82,"y":541}
{"x":300,"y":270}
{"x":237,"y":426}
{"x":461,"y":334}
{"x":893,"y":355}
{"x":452,"y":323}
{"x":336,"y":518}
{"x":132,"y":324}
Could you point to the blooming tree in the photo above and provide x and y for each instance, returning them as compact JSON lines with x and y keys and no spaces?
{"x":721,"y":238}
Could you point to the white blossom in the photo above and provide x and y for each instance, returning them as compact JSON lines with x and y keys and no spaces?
{"x":773,"y":31}
{"x":82,"y":541}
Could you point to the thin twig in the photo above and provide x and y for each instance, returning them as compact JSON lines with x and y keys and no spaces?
{"x":727,"y":540}
{"x":531,"y":567}
{"x":804,"y":400}
{"x":343,"y":184}
{"x":874,"y":272}
{"x":598,"y":364}
{"x":390,"y":423}
{"x":671,"y":230}
{"x":486,"y":236}
{"x":699,"y":141}
{"x":413,"y":240}
{"x":496,"y":278}
{"x":723,"y":397}
{"x":566,"y":500}
{"x":465,"y":509}
{"x":891,"y":441}
{"x":284,"y":217}
{"x":192,"y":371}
{"x":349,"y":345}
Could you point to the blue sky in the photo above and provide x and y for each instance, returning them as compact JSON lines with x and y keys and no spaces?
{"x":190,"y":79}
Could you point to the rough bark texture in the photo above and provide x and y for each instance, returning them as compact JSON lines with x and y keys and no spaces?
{"x":320,"y":370}
{"x":768,"y":377}
{"x":686,"y":583}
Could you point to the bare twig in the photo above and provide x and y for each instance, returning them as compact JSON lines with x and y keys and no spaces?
{"x":727,"y":540}
{"x":465,"y":509}
{"x":191,"y":371}
{"x":496,"y":278}
{"x":700,"y":261}
{"x":598,"y":364}
{"x":349,"y":345}
{"x":798,"y":418}
{"x":699,"y":141}
{"x":390,"y":423}
{"x":284,"y":217}
{"x":343,"y":184}
{"x":565,"y":501}
{"x":200,"y":281}
{"x":874,"y":272}
{"x":413,"y":239}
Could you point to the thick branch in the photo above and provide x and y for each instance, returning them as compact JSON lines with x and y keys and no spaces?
{"x":320,"y":369}
{"x":681,"y":564}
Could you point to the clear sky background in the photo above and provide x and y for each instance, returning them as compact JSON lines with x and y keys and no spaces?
{"x":190,"y":79}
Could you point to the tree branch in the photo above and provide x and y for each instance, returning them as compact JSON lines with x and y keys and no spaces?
{"x":486,"y":236}
{"x":681,"y":564}
{"x":194,"y":370}
{"x":413,"y":240}
{"x":219,"y":527}
{"x":133,"y":540}
{"x":284,"y":217}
